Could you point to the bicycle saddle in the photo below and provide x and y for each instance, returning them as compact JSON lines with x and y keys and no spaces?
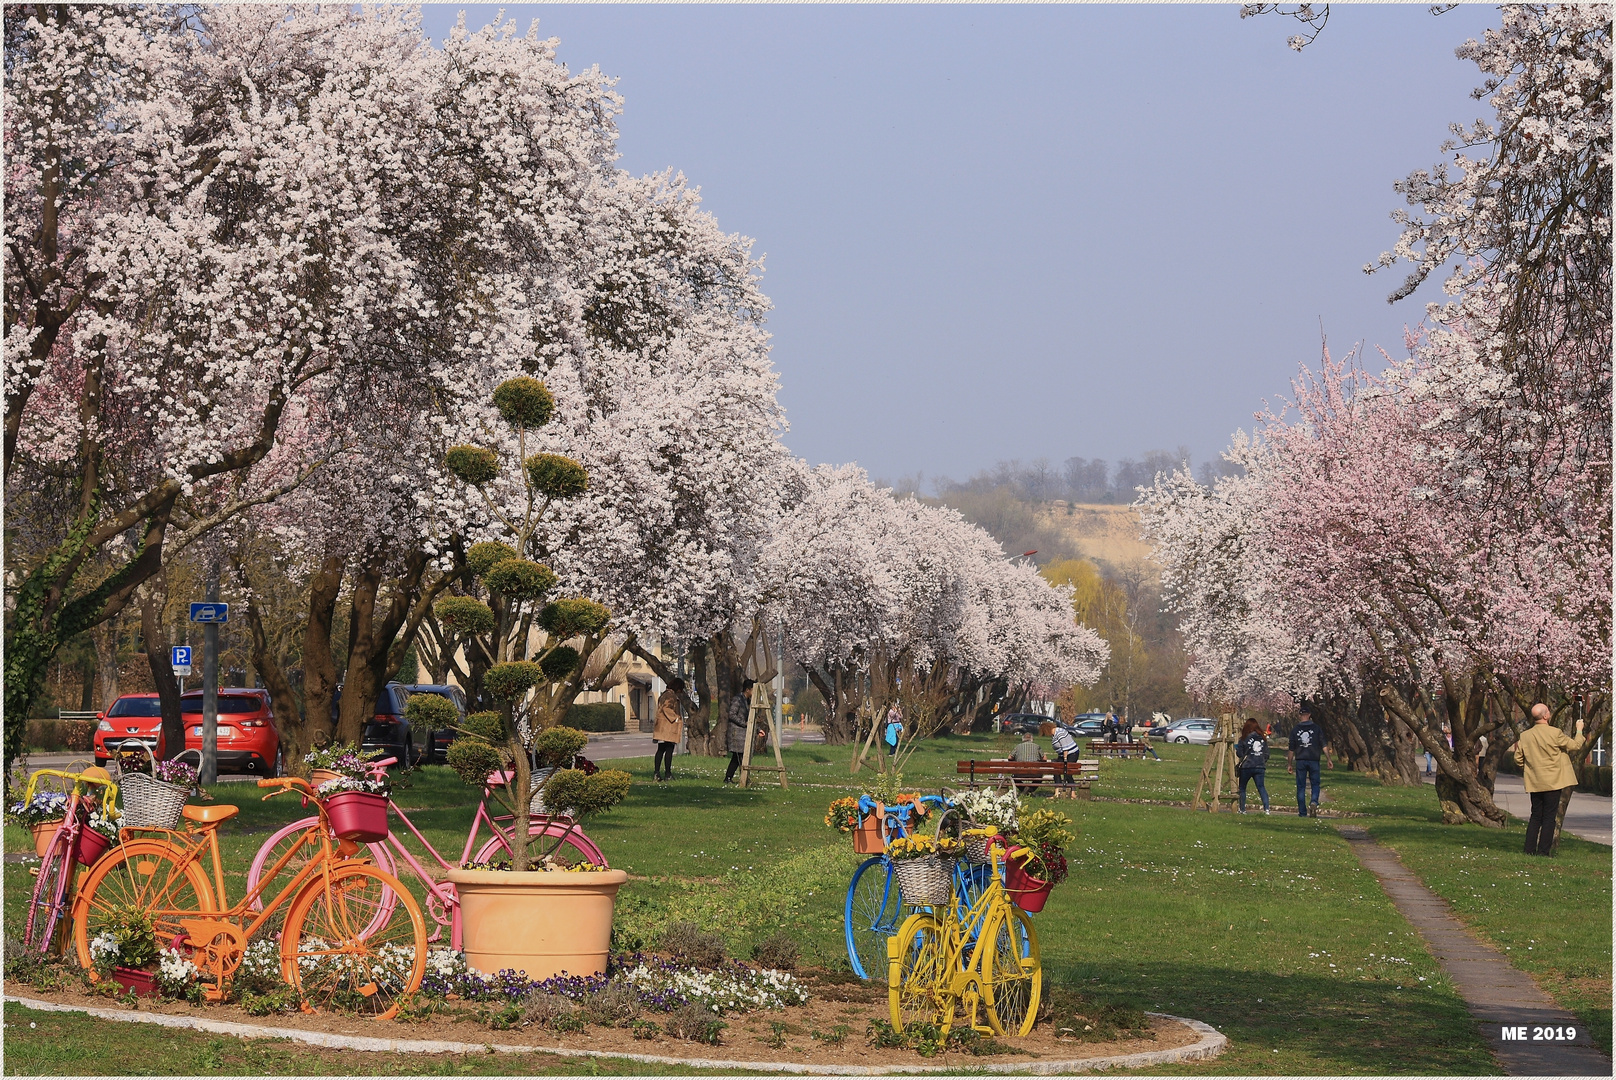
{"x":207,"y":815}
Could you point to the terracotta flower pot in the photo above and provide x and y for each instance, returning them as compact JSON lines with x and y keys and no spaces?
{"x":321,"y":776}
{"x":92,"y":845}
{"x":141,"y":983}
{"x":867,"y":838}
{"x":1027,"y":892}
{"x":540,"y":922}
{"x":358,"y":816}
{"x":44,"y":833}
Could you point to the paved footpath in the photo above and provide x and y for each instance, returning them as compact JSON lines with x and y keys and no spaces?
{"x":1499,"y":995}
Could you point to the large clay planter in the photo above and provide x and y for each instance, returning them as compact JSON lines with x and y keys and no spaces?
{"x":540,"y":922}
{"x":44,"y":833}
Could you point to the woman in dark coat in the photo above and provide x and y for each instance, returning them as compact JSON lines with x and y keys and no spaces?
{"x":1252,"y":752}
{"x":735,"y":728}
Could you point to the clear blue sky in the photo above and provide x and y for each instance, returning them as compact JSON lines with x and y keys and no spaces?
{"x":1014,"y":232}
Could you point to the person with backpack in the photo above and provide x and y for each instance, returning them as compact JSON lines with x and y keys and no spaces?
{"x":894,"y":729}
{"x":1252,"y":753}
{"x":1307,"y":746}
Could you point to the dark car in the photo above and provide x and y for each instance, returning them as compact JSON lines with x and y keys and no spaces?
{"x":387,"y":730}
{"x":1089,"y":728}
{"x":436,"y":743}
{"x":1018,"y":723}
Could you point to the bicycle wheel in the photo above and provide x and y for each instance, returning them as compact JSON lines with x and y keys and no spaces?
{"x":576,"y":848}
{"x":1011,"y":975}
{"x":330,"y":952}
{"x":283,"y":841}
{"x":149,"y":876}
{"x":918,"y":979}
{"x":46,"y":905}
{"x":870,"y":917}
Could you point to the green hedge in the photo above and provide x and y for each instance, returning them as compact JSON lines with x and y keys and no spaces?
{"x":602,"y":716}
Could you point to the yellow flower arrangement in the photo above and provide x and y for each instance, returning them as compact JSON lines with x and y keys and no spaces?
{"x":921,"y":847}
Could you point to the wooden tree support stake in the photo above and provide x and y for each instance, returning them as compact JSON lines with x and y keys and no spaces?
{"x":762,"y":704}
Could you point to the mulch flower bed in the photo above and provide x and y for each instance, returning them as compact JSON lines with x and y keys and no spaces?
{"x":657,"y":1005}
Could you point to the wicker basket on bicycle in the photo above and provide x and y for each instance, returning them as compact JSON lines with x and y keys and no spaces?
{"x":150,"y":803}
{"x":976,"y":847}
{"x":924,"y":868}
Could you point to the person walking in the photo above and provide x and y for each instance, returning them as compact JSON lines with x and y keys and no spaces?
{"x":740,"y":705}
{"x":668,"y":729}
{"x":1307,"y":745}
{"x":1252,"y":754}
{"x":1544,"y":754}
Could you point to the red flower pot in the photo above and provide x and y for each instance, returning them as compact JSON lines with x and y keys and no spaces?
{"x":92,"y":845}
{"x":358,"y":816}
{"x":140,"y":983}
{"x":1027,"y":892}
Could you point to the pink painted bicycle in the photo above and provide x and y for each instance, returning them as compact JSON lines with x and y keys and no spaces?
{"x":442,"y":904}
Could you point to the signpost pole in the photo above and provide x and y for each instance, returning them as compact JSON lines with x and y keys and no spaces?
{"x":210,"y":687}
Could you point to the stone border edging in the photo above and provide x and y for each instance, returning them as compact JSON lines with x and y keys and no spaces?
{"x":1211,"y":1044}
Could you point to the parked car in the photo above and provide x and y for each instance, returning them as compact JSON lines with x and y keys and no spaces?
{"x":387,"y":730}
{"x":1196,"y":729}
{"x":436,"y":743}
{"x":1017,"y":723}
{"x":133,"y":719}
{"x":1089,"y":728}
{"x":247,"y":739}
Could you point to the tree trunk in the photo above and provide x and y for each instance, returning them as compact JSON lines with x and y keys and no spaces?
{"x":837,"y":730}
{"x":290,"y":728}
{"x":729,"y":672}
{"x":1460,"y":792}
{"x":359,"y":686}
{"x":162,"y":672}
{"x":319,"y":667}
{"x":106,"y":637}
{"x":699,"y":731}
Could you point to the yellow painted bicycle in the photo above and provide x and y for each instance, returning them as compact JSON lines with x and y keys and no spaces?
{"x":973,"y":961}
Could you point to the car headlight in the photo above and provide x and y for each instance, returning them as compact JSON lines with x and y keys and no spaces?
{"x":105,"y":725}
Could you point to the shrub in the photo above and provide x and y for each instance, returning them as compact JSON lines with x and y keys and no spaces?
{"x":556,"y":476}
{"x":579,"y":795}
{"x":557,"y":746}
{"x":779,"y":951}
{"x":521,"y":579}
{"x":524,"y":402}
{"x":472,"y":464}
{"x":560,"y":662}
{"x":481,"y":557}
{"x":60,"y":734}
{"x":549,"y":1010}
{"x":473,"y":760}
{"x":573,"y":617}
{"x":429,"y":712}
{"x":618,"y":1005}
{"x":646,"y":1029}
{"x":693,"y":945}
{"x":512,"y":679}
{"x":695,"y":1024}
{"x":601,"y":716}
{"x":465,"y":614}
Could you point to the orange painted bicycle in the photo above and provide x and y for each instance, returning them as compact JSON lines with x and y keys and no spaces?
{"x":352,"y":936}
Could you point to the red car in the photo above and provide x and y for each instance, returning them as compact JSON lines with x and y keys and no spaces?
{"x":248,"y":741}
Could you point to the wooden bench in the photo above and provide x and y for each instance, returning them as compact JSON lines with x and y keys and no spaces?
{"x":1030,"y":773}
{"x":1136,"y":749}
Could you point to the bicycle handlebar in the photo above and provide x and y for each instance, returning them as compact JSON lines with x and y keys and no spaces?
{"x":107,"y":796}
{"x":285,"y":783}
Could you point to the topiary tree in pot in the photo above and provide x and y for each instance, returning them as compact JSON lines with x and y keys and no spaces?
{"x":523,"y":683}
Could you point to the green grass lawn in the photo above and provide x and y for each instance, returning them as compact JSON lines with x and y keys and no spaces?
{"x":1265,"y":927}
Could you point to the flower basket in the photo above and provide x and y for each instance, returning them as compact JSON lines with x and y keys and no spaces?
{"x":150,"y":803}
{"x":133,"y":980}
{"x":976,"y":847}
{"x":44,"y":833}
{"x":92,"y":845}
{"x":925,"y":882}
{"x":539,"y":777}
{"x":322,"y":776}
{"x":867,"y":838}
{"x":1027,"y":892}
{"x":358,"y":816}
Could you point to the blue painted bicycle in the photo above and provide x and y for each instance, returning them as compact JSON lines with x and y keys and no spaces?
{"x":873,"y":911}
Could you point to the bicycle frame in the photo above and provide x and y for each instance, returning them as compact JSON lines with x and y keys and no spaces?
{"x":58,"y":874}
{"x":237,"y":923}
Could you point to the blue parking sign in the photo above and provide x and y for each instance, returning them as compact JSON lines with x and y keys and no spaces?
{"x":179,"y":656}
{"x":213,"y":612}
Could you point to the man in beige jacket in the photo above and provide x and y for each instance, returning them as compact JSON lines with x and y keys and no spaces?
{"x":1544,"y":753}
